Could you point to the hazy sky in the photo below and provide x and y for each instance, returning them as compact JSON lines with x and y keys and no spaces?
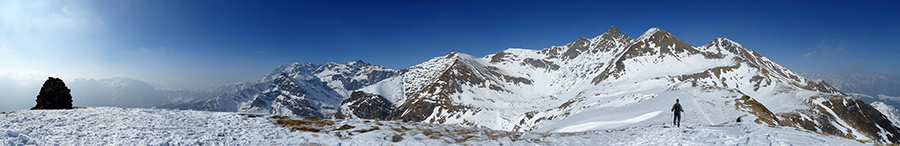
{"x":195,"y":44}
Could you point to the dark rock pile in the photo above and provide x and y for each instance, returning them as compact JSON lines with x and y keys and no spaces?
{"x":54,"y":95}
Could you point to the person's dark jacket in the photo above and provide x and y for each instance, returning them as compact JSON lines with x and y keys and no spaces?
{"x":677,"y":109}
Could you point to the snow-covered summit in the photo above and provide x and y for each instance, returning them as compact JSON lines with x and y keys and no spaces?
{"x":649,"y":33}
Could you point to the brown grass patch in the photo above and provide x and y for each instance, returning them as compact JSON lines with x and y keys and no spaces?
{"x":345,"y":127}
{"x":305,"y":129}
{"x":365,"y":130}
{"x":310,"y":144}
{"x":750,"y":105}
{"x":305,"y":124}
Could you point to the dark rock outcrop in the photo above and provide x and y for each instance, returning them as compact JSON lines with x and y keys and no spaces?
{"x":54,"y":95}
{"x":367,"y":106}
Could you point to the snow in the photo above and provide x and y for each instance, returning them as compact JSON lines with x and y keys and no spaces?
{"x":608,"y":124}
{"x":888,"y":111}
{"x":649,"y":33}
{"x":135,"y":126}
{"x":840,"y":122}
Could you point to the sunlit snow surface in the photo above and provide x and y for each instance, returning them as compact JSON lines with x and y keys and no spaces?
{"x":131,"y":126}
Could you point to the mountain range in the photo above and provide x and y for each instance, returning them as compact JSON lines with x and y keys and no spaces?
{"x":308,"y":90}
{"x":608,"y":82}
{"x":118,"y":91}
{"x":611,"y":81}
{"x":869,"y":87}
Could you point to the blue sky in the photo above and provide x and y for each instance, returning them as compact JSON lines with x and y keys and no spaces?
{"x":195,"y":44}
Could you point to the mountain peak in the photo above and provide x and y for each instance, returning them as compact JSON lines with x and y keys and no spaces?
{"x":356,"y":62}
{"x":726,"y":41}
{"x":651,"y":33}
{"x":613,"y":30}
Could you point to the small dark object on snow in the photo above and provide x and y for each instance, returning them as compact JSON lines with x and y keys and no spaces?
{"x":54,"y":95}
{"x":396,"y":138}
{"x":739,"y":119}
{"x":677,"y":109}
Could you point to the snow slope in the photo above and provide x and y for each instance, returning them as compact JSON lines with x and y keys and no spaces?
{"x":134,"y":126}
{"x":889,"y":112}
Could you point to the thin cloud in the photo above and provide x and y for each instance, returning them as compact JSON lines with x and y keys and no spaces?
{"x":824,"y":50}
{"x":805,"y":56}
{"x":885,"y":97}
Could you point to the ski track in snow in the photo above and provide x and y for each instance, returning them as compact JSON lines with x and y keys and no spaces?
{"x":593,"y":125}
{"x":701,"y":110}
{"x":135,"y":126}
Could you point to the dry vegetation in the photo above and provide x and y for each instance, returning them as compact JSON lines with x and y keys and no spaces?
{"x":305,"y":124}
{"x":450,"y":134}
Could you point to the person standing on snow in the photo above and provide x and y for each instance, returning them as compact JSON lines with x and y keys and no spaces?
{"x":677,"y":109}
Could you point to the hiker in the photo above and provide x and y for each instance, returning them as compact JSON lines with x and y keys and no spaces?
{"x":677,"y":109}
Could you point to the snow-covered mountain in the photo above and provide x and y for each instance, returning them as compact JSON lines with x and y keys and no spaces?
{"x":18,"y":93}
{"x":890,"y":112}
{"x":124,"y":92}
{"x":118,"y":91}
{"x":865,"y":83}
{"x":613,"y":81}
{"x":300,"y":89}
{"x":128,"y":92}
{"x":869,"y":87}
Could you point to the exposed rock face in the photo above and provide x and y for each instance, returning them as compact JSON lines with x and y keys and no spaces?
{"x":54,"y":95}
{"x":366,"y":106}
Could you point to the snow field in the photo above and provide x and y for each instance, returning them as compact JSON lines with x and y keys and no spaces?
{"x":132,"y":126}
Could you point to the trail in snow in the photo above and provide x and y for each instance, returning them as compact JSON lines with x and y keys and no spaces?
{"x":702,"y":111}
{"x":592,"y":125}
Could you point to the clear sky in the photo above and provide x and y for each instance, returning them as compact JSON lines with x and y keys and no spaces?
{"x":195,"y":44}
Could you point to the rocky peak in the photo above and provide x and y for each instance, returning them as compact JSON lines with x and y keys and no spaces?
{"x":612,"y":33}
{"x":357,"y":62}
{"x":719,"y":45}
{"x":658,"y":42}
{"x":612,"y":30}
{"x":290,"y":69}
{"x":351,"y":64}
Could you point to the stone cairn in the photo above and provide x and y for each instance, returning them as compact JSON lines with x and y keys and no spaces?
{"x":54,"y":95}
